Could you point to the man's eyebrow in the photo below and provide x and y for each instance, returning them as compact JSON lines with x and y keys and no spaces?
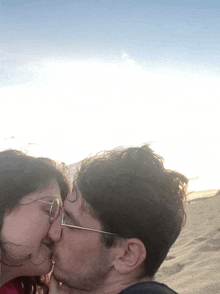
{"x":72,"y":218}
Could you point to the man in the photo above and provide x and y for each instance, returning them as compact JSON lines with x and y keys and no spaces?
{"x":119,"y":222}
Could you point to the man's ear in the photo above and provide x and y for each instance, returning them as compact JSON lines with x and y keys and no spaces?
{"x":129,"y":255}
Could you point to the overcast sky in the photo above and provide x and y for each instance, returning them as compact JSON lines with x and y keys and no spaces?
{"x":77,"y":77}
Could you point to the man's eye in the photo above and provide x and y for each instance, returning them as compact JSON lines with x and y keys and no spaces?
{"x":68,"y":223}
{"x":71,"y":228}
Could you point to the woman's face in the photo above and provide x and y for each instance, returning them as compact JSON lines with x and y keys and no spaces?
{"x":24,"y":232}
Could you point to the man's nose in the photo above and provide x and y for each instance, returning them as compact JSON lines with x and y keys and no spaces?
{"x":55,"y":230}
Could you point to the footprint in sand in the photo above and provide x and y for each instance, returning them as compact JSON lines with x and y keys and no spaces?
{"x":214,"y":242}
{"x":200,"y":239}
{"x":173,"y":269}
{"x":208,"y":248}
{"x":210,"y":245}
{"x":196,"y":240}
{"x":169,"y":257}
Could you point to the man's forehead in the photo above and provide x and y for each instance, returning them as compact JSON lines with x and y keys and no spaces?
{"x":81,"y":214}
{"x":75,"y":204}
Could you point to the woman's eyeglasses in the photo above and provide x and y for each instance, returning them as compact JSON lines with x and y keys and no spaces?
{"x":55,"y":207}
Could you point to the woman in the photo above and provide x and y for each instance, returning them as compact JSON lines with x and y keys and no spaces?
{"x":31,"y":194}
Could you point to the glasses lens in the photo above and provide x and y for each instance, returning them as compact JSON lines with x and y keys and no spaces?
{"x":55,"y":209}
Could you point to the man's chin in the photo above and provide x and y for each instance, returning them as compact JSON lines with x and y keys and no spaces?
{"x":58,"y":268}
{"x":57,"y":274}
{"x":61,"y":284}
{"x":60,"y":276}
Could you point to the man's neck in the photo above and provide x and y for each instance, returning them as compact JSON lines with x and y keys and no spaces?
{"x":110,"y":286}
{"x":120,"y":284}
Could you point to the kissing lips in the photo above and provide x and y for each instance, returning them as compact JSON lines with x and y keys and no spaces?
{"x":54,"y":258}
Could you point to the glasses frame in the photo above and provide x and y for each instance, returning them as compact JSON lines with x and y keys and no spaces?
{"x":51,"y":207}
{"x":82,"y":228}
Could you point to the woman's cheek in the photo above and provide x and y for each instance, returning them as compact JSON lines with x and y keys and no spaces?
{"x":16,"y":233}
{"x":23,"y":231}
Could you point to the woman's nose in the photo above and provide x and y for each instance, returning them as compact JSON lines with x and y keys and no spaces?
{"x":55,"y":230}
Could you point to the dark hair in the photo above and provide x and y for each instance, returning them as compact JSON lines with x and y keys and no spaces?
{"x":134,"y":196}
{"x":20,"y":175}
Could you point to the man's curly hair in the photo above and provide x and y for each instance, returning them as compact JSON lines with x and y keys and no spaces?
{"x":134,"y":196}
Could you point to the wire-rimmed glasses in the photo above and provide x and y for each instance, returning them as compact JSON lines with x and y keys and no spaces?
{"x":63,"y":223}
{"x":55,"y":207}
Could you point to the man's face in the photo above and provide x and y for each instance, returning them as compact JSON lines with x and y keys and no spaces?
{"x":82,"y":260}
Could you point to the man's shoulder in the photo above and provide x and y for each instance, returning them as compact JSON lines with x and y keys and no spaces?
{"x":148,"y":288}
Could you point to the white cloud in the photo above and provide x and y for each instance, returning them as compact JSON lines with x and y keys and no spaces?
{"x":78,"y":107}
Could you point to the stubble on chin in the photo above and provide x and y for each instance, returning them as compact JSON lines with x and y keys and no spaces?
{"x":57,"y":287}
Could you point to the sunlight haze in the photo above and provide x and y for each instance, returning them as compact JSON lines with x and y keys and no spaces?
{"x":105,"y":75}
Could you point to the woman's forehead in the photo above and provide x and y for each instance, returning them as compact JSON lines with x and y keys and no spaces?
{"x":49,"y":193}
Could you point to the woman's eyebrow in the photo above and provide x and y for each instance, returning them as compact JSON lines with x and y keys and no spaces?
{"x":72,"y":218}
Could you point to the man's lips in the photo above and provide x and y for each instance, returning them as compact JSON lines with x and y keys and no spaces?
{"x":54,"y":258}
{"x":48,"y":243}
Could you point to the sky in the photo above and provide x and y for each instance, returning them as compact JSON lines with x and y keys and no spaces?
{"x":78,"y":77}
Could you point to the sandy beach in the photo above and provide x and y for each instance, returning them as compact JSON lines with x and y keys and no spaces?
{"x":193,"y":263}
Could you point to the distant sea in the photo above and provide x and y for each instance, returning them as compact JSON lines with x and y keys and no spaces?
{"x":202,"y":194}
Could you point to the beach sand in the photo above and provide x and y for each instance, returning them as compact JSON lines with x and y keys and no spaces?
{"x":193,"y":263}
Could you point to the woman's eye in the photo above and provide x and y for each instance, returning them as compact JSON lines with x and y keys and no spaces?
{"x":47,"y":211}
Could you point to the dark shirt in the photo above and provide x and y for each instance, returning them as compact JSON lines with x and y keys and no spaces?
{"x":148,"y":288}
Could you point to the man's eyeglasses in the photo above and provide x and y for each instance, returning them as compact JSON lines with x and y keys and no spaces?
{"x":63,"y":223}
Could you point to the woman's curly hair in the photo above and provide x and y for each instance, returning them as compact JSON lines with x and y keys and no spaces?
{"x":20,"y":175}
